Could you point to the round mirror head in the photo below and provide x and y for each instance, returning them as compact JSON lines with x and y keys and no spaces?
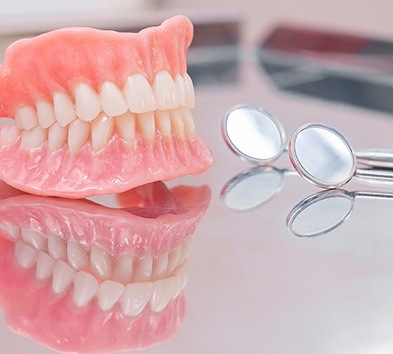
{"x":251,"y":189}
{"x":322,"y":155}
{"x":254,"y":134}
{"x":320,"y":213}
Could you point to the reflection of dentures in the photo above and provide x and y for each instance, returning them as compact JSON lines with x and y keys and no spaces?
{"x":115,"y":275}
{"x":99,"y":111}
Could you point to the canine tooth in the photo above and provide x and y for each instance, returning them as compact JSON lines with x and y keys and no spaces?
{"x":190,"y":90}
{"x":101,"y":131}
{"x":146,"y":124}
{"x":163,"y":122}
{"x":26,"y":117}
{"x":56,"y":247}
{"x":9,"y":134}
{"x":34,"y":238}
{"x":100,"y":262}
{"x":77,"y":255}
{"x":87,"y":102}
{"x":34,"y":137}
{"x":188,"y":121}
{"x":182,"y":90}
{"x":45,"y":266}
{"x":135,"y":298}
{"x":64,"y":108}
{"x":46,"y":114}
{"x":109,"y":293}
{"x":85,"y":288}
{"x":177,"y":123}
{"x":139,"y":94}
{"x":160,"y":267}
{"x":78,"y":134}
{"x":122,"y":271}
{"x":143,"y":269}
{"x":165,"y":91}
{"x":163,"y":292}
{"x":63,"y":275}
{"x":25,"y":255}
{"x":57,"y":136}
{"x":125,"y":126}
{"x":113,"y":101}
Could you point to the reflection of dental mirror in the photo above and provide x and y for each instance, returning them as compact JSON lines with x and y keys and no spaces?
{"x":323,"y":212}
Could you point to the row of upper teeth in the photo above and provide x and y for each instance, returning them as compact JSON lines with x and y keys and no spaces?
{"x":137,"y":96}
{"x":178,"y":122}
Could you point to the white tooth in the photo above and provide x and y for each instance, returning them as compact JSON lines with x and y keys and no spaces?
{"x":109,"y":293}
{"x":188,"y":121}
{"x":135,"y":298}
{"x":113,"y":101}
{"x":143,"y":269}
{"x":77,"y":255}
{"x":34,"y":137}
{"x":160,"y":267}
{"x":45,"y":266}
{"x":25,"y":255}
{"x":26,"y":117}
{"x":165,"y":91}
{"x":125,"y":126}
{"x":56,"y":247}
{"x":181,"y":277}
{"x":174,"y":259}
{"x":122,"y":271}
{"x":185,"y":250}
{"x":85,"y":288}
{"x":190,"y":90}
{"x":87,"y":102}
{"x":100,"y":262}
{"x":63,"y":275}
{"x":34,"y":238}
{"x":139,"y":94}
{"x":78,"y":134}
{"x":177,"y":123}
{"x":182,"y":90}
{"x":57,"y":136}
{"x":102,"y":129}
{"x":163,"y":292}
{"x":10,"y":230}
{"x":46,"y":114}
{"x":145,"y":122}
{"x":9,"y":134}
{"x":64,"y":109}
{"x":163,"y":122}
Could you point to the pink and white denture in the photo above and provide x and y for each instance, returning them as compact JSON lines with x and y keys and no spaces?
{"x":99,"y":111}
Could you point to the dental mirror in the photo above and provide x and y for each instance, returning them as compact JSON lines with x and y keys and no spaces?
{"x":254,"y":134}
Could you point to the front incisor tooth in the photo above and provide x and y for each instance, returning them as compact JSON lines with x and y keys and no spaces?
{"x":85,"y":288}
{"x":26,"y":117}
{"x":135,"y":298}
{"x":102,"y":129}
{"x":57,"y":136}
{"x":177,"y":123}
{"x":190,"y":90}
{"x":46,"y":114}
{"x":146,"y":125}
{"x":109,"y":293}
{"x":112,"y":100}
{"x":125,"y":126}
{"x":100,"y":262}
{"x":165,"y":91}
{"x":182,"y":90}
{"x":87,"y":102}
{"x":163,"y":123}
{"x":139,"y":94}
{"x":78,"y":134}
{"x":188,"y":121}
{"x":34,"y":138}
{"x":64,"y":109}
{"x":143,"y":269}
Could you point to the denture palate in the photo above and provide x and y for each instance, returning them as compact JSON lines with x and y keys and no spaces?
{"x":136,"y":108}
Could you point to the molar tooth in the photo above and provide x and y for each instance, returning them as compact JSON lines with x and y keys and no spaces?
{"x":77,"y":255}
{"x":46,"y":114}
{"x":26,"y":117}
{"x":122,"y":271}
{"x":100,"y":262}
{"x":139,"y":94}
{"x":45,"y":266}
{"x":113,"y":101}
{"x":101,"y":131}
{"x":125,"y":126}
{"x":78,"y":134}
{"x":85,"y":288}
{"x":163,"y":122}
{"x":26,"y":256}
{"x":34,"y":137}
{"x":135,"y":298}
{"x":109,"y":293}
{"x":190,"y":90}
{"x":63,"y":275}
{"x":188,"y":121}
{"x":56,"y":247}
{"x":177,"y":123}
{"x":165,"y":91}
{"x":146,"y":125}
{"x":163,"y":292}
{"x":9,"y":134}
{"x":57,"y":136}
{"x":182,"y":90}
{"x":160,"y":267}
{"x":87,"y":102}
{"x":34,"y":238}
{"x":143,"y":269}
{"x":64,"y":108}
